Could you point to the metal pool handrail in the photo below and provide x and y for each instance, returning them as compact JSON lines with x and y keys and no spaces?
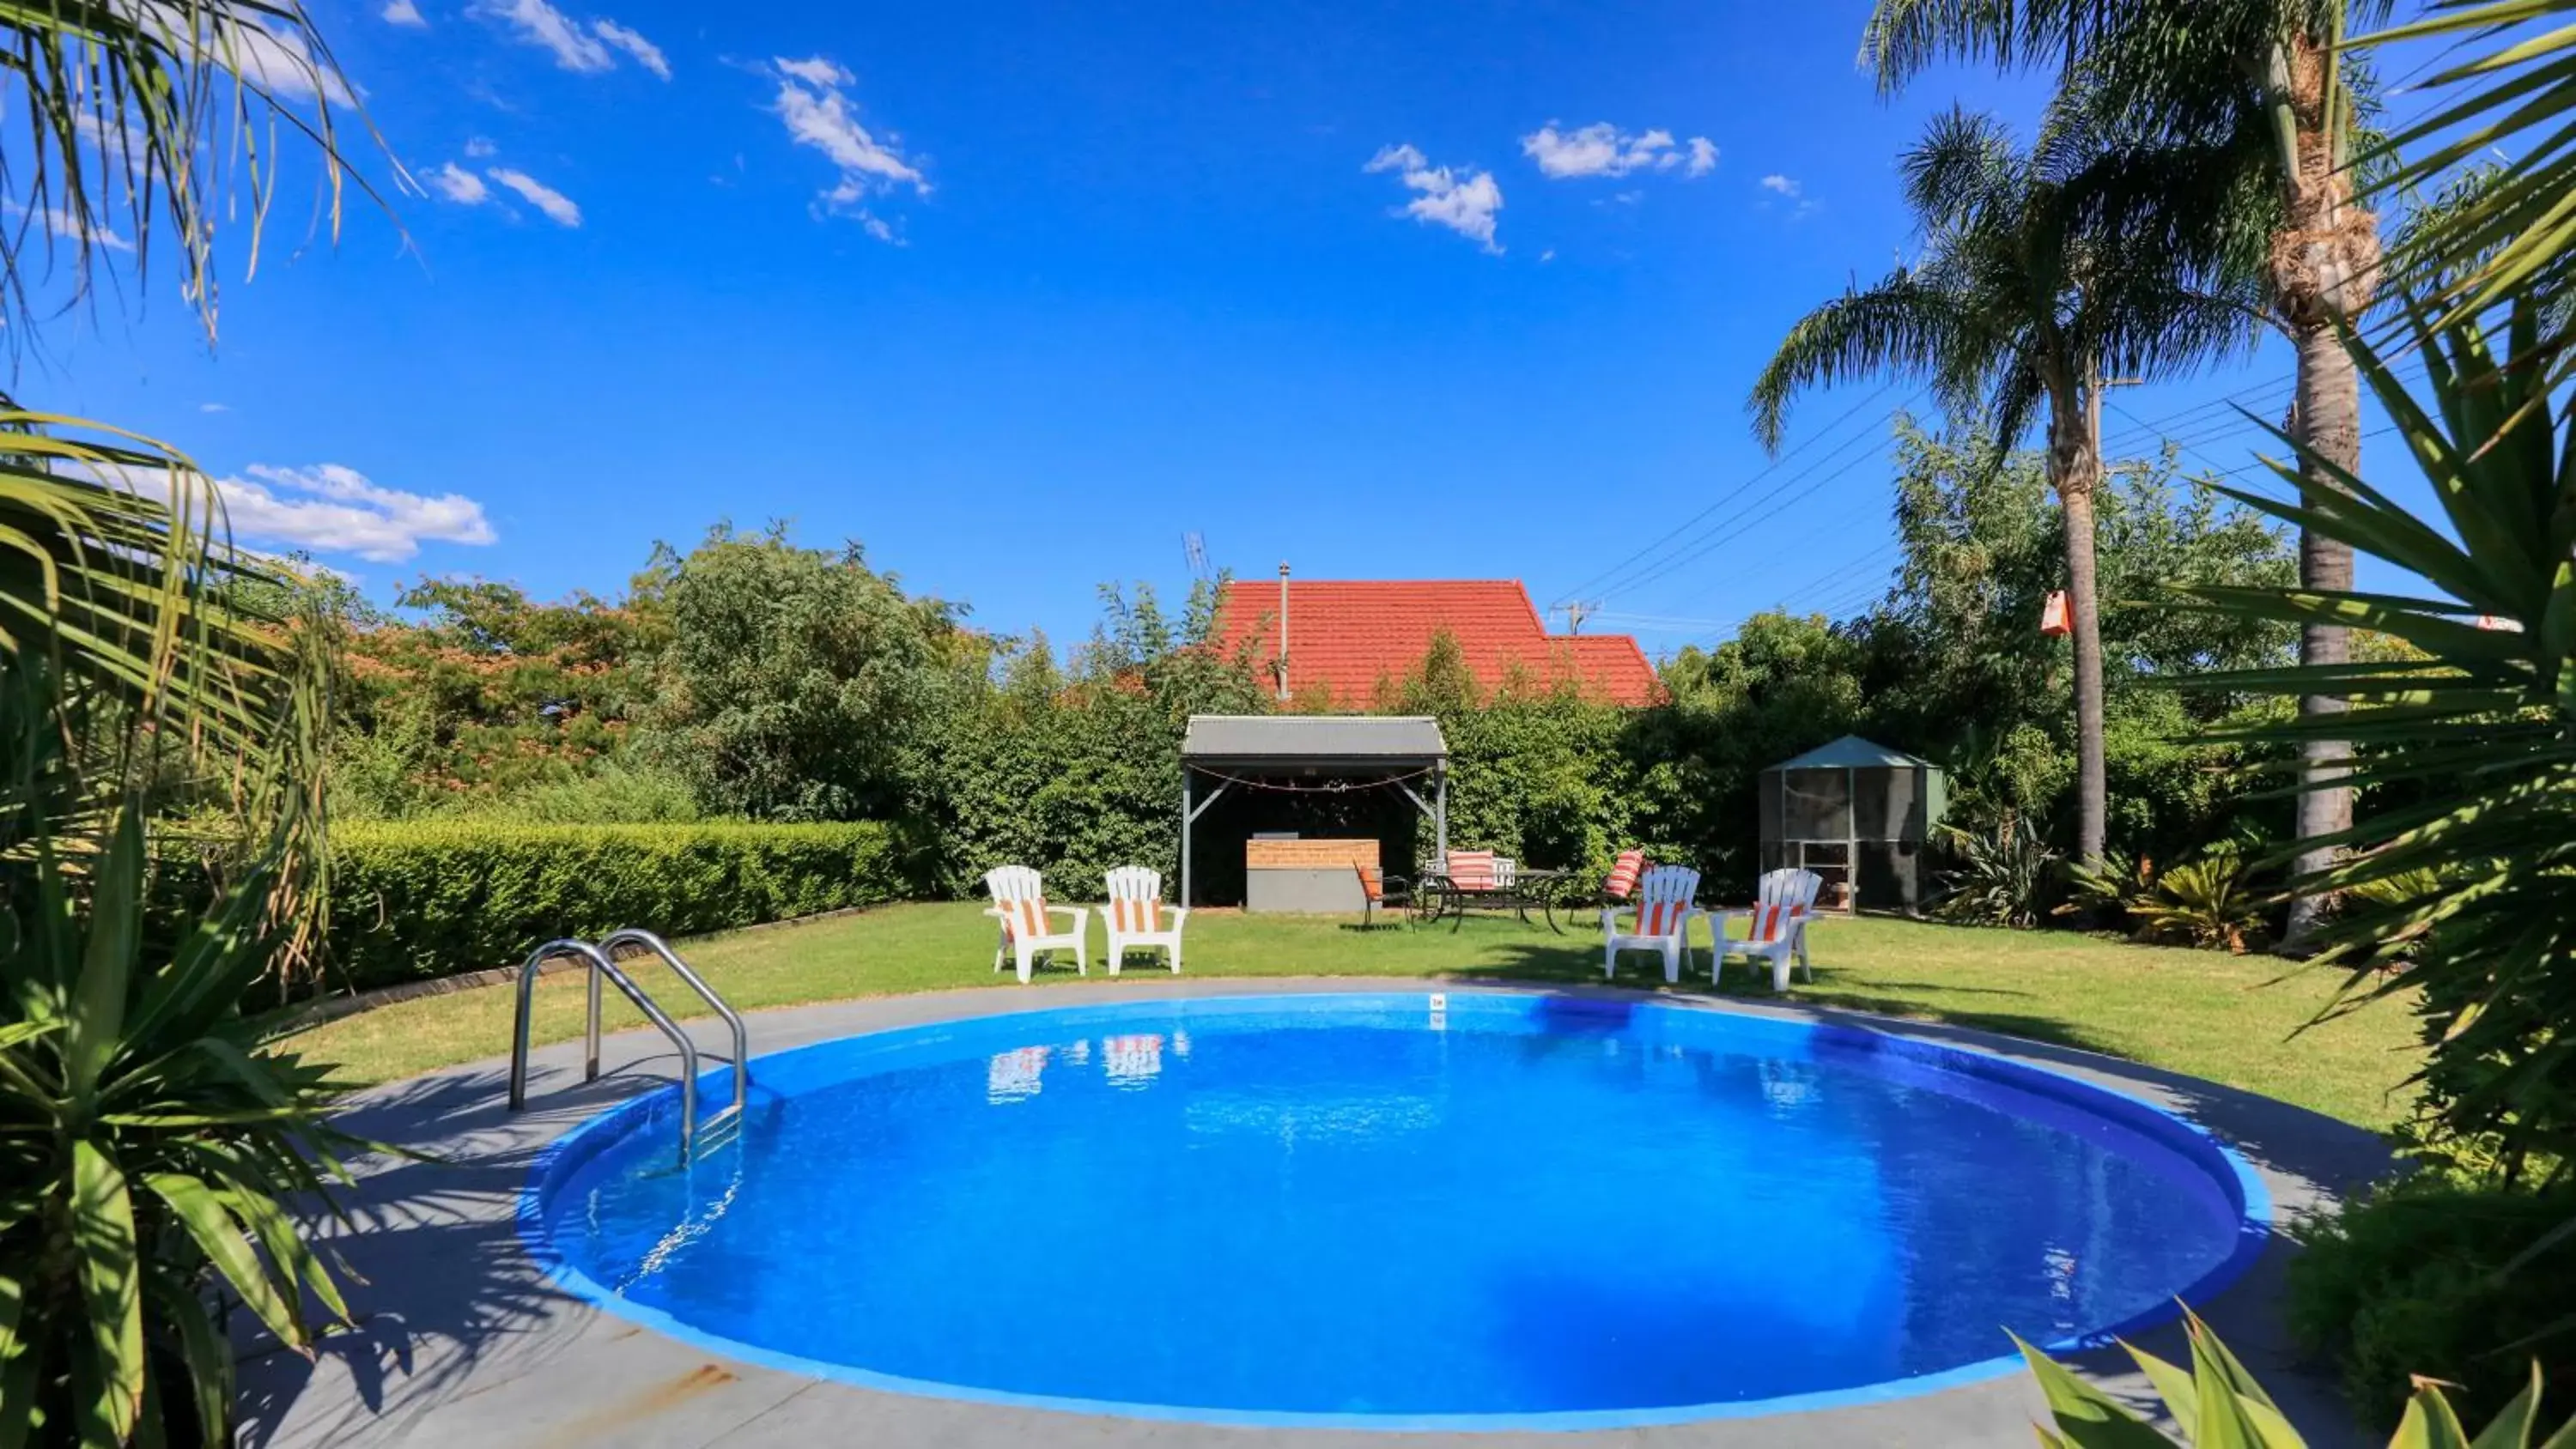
{"x":600,"y":965}
{"x":634,"y":936}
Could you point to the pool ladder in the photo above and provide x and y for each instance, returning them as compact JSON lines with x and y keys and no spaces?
{"x":602,"y":959}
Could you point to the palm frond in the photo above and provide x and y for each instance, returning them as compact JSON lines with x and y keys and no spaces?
{"x":2512,"y":224}
{"x":1896,"y":325}
{"x":153,"y":124}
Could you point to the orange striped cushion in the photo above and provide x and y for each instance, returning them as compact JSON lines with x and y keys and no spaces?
{"x":1623,"y":874}
{"x":1660,"y":918}
{"x":1770,"y":921}
{"x":1471,"y":870}
{"x":1133,"y":914}
{"x":1026,"y":916}
{"x":1372,"y":885}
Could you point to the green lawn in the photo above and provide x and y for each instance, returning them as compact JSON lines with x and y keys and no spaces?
{"x":2208,"y":1014}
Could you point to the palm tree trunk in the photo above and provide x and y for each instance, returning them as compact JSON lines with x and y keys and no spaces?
{"x":2075,"y":467}
{"x":2329,"y":423}
{"x":2325,"y":265}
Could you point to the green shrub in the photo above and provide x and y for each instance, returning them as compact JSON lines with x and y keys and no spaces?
{"x":419,"y":900}
{"x":614,"y":793}
{"x":2216,"y":1404}
{"x":2209,"y":902}
{"x":2422,"y":1278}
{"x":2003,"y":877}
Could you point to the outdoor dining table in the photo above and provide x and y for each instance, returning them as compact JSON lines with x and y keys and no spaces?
{"x":1550,"y":891}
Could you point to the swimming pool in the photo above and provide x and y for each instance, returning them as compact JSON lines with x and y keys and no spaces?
{"x":1398,"y":1210}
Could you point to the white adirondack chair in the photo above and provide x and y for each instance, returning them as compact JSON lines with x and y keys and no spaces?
{"x":1027,"y":921}
{"x":1658,"y":920}
{"x":1136,"y":916}
{"x":1786,"y":901}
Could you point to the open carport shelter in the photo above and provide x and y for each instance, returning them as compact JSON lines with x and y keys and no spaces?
{"x":1310,"y":764}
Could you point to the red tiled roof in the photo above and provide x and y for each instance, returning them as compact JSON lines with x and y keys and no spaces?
{"x":1347,"y":635}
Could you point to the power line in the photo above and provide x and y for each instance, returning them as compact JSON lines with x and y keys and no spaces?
{"x":1751,"y":516}
{"x":1775,"y":464}
{"x":1684,"y":547}
{"x":1842,"y":574}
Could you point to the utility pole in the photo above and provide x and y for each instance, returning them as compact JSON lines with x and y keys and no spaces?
{"x":1281,"y":667}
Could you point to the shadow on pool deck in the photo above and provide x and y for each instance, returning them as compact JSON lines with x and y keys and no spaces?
{"x":469,"y":1290}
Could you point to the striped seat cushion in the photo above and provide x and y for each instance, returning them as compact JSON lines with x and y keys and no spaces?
{"x":1471,"y":870}
{"x":1134,"y":915}
{"x":1372,"y":884}
{"x":1660,"y":918}
{"x":1025,"y":916}
{"x":1623,"y":875}
{"x":1770,"y":922}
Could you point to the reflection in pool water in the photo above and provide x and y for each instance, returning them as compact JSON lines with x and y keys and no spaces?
{"x":1344,"y":1206}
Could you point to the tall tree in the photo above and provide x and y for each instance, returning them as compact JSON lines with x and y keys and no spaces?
{"x":2251,"y":107}
{"x":2016,"y":313}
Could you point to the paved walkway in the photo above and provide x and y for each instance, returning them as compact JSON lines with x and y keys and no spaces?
{"x":462,"y":1343}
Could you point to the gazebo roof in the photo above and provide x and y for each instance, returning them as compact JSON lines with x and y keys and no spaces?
{"x":1298,"y":742}
{"x":1851,"y":752}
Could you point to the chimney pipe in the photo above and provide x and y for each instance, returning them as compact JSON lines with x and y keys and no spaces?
{"x":1279,"y":670}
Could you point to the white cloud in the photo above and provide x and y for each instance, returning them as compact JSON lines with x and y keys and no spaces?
{"x":814,"y":71}
{"x":336,"y":509}
{"x":66,"y":225}
{"x":1600,"y":149}
{"x":275,"y":61}
{"x":1464,"y":204}
{"x":214,"y":407}
{"x":541,"y":24}
{"x":458,"y":184}
{"x":1703,"y":156}
{"x":479,"y":146}
{"x":403,"y":12}
{"x":1782,"y":185}
{"x":646,"y":53}
{"x":819,"y":113}
{"x":559,"y":208}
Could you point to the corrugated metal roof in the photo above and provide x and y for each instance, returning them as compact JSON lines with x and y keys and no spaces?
{"x":1302,"y":739}
{"x":1851,"y":752}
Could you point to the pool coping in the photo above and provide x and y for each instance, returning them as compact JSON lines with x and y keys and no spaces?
{"x":371,"y":1388}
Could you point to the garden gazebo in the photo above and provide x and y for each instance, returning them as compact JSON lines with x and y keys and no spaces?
{"x":1311,"y":754}
{"x":1856,"y":813}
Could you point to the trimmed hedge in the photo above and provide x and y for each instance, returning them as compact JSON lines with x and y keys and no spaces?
{"x":413,"y":901}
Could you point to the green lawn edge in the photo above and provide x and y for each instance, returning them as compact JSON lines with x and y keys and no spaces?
{"x":2242,"y":1021}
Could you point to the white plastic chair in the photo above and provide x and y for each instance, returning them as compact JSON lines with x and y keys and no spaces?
{"x":1019,"y":903}
{"x":1135,"y":914}
{"x":1777,"y":929}
{"x":1659,"y":921}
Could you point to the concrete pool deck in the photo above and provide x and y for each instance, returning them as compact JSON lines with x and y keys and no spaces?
{"x":462,"y":1341}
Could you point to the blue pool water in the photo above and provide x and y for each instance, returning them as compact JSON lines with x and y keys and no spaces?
{"x":1514,"y":1209}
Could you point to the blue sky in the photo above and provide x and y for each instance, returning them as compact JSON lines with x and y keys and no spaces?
{"x":1016,"y":295}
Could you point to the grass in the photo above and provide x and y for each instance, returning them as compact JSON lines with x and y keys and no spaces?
{"x":2207,"y":1014}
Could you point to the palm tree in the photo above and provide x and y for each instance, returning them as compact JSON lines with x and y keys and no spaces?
{"x":2017,"y":310}
{"x":149,"y":1134}
{"x":148,"y":137}
{"x":147,"y":128}
{"x":2251,"y":96}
